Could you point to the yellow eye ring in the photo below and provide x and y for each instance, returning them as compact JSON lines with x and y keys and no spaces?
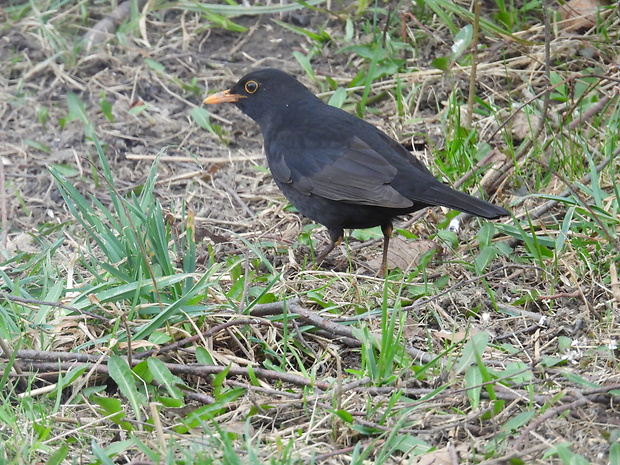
{"x":251,"y":87}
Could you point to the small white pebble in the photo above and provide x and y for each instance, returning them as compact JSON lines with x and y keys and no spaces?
{"x":455,"y":226}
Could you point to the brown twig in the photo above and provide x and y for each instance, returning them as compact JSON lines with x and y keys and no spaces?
{"x":478,"y":166}
{"x":573,"y":189}
{"x":104,"y":29}
{"x":518,"y":444}
{"x":595,"y":109}
{"x":504,"y":459}
{"x":9,"y":354}
{"x":474,"y":65}
{"x":304,"y":398}
{"x":272,"y":308}
{"x":514,"y":334}
{"x":547,"y":98}
{"x":559,"y":295}
{"x":614,"y":283}
{"x":341,"y":330}
{"x":54,"y":361}
{"x":233,"y":194}
{"x":539,"y":211}
{"x":21,"y":300}
{"x":501,"y":172}
{"x":346,"y":332}
{"x":348,"y":450}
{"x":3,"y":206}
{"x":516,"y":311}
{"x":424,"y":302}
{"x":346,"y":341}
{"x":205,"y":334}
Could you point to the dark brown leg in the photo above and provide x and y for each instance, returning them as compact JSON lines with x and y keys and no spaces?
{"x":387,"y":232}
{"x":335,"y":236}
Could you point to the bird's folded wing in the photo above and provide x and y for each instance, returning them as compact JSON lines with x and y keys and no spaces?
{"x":357,"y":174}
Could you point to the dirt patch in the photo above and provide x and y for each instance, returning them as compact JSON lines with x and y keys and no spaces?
{"x":138,"y":92}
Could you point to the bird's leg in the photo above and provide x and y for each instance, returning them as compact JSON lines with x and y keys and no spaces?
{"x":335,"y":237}
{"x":387,"y":232}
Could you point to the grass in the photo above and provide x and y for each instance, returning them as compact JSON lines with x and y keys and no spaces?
{"x":159,"y":298}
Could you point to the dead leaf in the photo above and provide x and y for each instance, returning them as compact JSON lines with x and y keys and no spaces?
{"x":405,"y":254}
{"x":137,"y":345}
{"x":435,"y":457}
{"x":446,"y":456}
{"x":578,"y":14}
{"x":22,"y":242}
{"x":523,"y":126}
{"x":614,"y":284}
{"x":452,"y":337}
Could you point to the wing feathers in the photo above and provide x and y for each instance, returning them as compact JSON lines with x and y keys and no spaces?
{"x":359,"y":175}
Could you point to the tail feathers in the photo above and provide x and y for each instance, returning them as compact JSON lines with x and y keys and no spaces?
{"x":444,"y":196}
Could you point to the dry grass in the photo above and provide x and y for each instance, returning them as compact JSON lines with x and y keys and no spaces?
{"x":511,"y":360}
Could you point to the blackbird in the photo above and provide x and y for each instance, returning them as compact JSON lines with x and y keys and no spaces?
{"x":335,"y":168}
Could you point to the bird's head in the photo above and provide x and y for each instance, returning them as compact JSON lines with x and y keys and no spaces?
{"x":264,"y":94}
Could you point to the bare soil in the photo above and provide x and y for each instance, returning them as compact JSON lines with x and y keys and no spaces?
{"x":224,"y":180}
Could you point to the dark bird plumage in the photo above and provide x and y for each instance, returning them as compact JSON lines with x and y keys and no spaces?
{"x":335,"y":168}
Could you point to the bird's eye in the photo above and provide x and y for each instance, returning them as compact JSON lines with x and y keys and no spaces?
{"x":251,"y":87}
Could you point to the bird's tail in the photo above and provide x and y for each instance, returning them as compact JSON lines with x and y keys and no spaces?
{"x":444,"y":196}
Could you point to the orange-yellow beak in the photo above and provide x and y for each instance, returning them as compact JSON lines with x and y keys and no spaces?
{"x":223,"y":97}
